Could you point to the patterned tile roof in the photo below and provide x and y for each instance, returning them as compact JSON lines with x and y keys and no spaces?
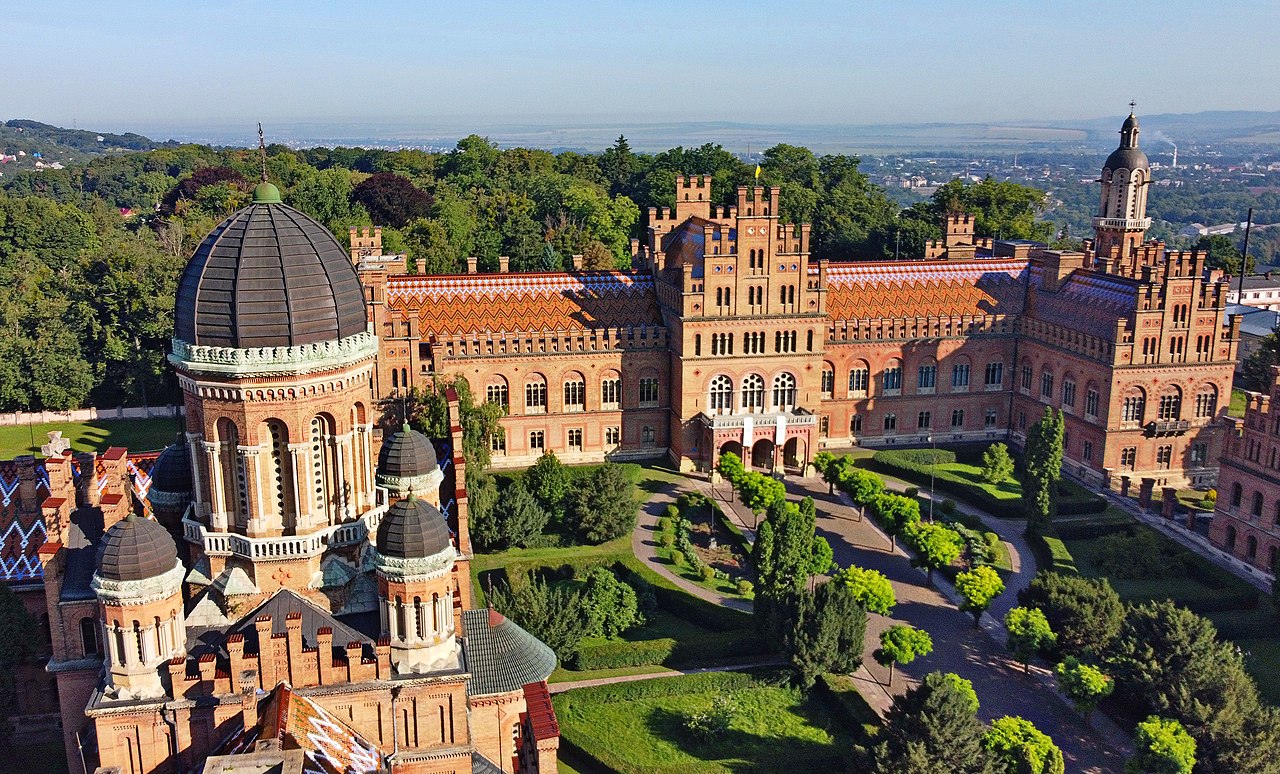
{"x":475,"y":303}
{"x":22,"y":533}
{"x":1107,"y":297}
{"x":924,"y":288}
{"x":501,"y":656}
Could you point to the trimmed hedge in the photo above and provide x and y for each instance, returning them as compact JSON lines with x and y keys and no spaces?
{"x":677,"y":685}
{"x":904,"y":463}
{"x":1051,"y":553}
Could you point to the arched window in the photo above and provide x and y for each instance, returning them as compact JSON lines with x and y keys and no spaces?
{"x":611,"y":392}
{"x":535,"y":395}
{"x":784,"y":392}
{"x":1207,"y":401}
{"x":890,"y":422}
{"x":859,"y":378}
{"x":1231,"y":539}
{"x":1170,"y":406}
{"x":828,"y":380}
{"x":753,"y":392}
{"x":1237,"y":494}
{"x":1134,"y":407}
{"x":1257,"y":503}
{"x":575,"y":393}
{"x":1251,"y":547}
{"x":497,"y":393}
{"x":720,"y":397}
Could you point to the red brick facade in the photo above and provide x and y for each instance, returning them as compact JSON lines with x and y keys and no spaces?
{"x":728,"y":335}
{"x":1246,"y":520}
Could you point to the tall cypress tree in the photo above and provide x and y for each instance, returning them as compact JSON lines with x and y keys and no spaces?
{"x":1044,"y":451}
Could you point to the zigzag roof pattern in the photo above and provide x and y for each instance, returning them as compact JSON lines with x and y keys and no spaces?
{"x":871,"y":289}
{"x":1108,"y":299}
{"x":550,"y":301}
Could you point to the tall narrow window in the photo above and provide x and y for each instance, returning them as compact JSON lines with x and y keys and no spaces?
{"x":610,"y":393}
{"x":859,"y":376}
{"x":960,"y":377}
{"x":720,"y":396}
{"x":535,"y":397}
{"x":784,"y":392}
{"x":753,"y":393}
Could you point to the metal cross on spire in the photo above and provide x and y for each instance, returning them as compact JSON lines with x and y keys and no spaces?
{"x":262,"y":151}
{"x":1132,"y":105}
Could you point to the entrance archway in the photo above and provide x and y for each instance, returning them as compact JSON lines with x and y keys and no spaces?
{"x":762,"y":454}
{"x":793,"y":453}
{"x":731,"y":447}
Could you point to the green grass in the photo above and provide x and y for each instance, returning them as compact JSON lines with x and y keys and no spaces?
{"x":1000,"y":558}
{"x":516,"y":560}
{"x":776,"y":728}
{"x":676,"y":563}
{"x":135,"y":434}
{"x":562,"y":675}
{"x":1262,"y":659}
{"x":1238,"y":402}
{"x":971,"y":475}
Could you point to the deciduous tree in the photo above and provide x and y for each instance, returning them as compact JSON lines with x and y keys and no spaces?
{"x":901,"y":644}
{"x":978,"y":587}
{"x":1161,"y":746}
{"x":1018,"y":746}
{"x":1029,"y":633}
{"x":870,"y":588}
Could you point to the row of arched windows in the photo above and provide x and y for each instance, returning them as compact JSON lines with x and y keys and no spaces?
{"x":573,"y":392}
{"x":751,"y":394}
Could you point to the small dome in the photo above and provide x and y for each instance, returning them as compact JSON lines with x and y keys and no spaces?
{"x":413,"y":529}
{"x":407,"y":454}
{"x":136,"y":549}
{"x":1127,"y":158}
{"x":268,"y":276}
{"x":171,"y":475}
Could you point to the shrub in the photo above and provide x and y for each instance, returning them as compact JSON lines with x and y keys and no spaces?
{"x":744,"y":587}
{"x":911,"y":491}
{"x":997,"y":465}
{"x":608,"y":604}
{"x":1138,"y":555}
{"x":667,"y":540}
{"x":1211,"y":496}
{"x":714,"y":721}
{"x":707,"y":572}
{"x":918,"y":457}
{"x":620,"y":654}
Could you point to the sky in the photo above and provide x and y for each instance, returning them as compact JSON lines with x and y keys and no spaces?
{"x":150,"y":65}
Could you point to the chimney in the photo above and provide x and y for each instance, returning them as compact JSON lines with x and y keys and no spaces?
{"x":471,"y":264}
{"x":577,"y":263}
{"x":504,"y":263}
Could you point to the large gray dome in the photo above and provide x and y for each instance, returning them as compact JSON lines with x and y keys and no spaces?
{"x":268,"y":276}
{"x":407,"y":454}
{"x":412,"y":529}
{"x":136,"y":549}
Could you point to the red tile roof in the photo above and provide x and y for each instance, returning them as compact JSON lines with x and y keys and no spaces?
{"x":865,"y":290}
{"x":475,"y":303}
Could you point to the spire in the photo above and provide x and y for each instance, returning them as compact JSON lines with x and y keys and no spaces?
{"x":261,"y":149}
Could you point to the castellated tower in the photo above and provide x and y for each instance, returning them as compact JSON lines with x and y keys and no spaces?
{"x":139,"y":586}
{"x":1122,"y":221}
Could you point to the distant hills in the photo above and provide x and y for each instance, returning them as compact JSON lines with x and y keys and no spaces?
{"x":1087,"y":136}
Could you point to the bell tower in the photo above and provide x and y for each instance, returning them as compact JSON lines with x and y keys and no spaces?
{"x":1122,"y":221}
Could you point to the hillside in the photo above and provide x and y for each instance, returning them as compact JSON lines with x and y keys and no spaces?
{"x":26,"y":144}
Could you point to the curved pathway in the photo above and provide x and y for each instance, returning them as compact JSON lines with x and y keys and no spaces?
{"x":645,"y":546}
{"x":978,"y":654}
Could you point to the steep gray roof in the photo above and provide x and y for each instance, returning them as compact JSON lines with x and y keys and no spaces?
{"x":268,"y":276}
{"x":279,"y":606}
{"x":501,"y":656}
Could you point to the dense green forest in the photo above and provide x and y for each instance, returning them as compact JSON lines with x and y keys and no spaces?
{"x":90,"y":255}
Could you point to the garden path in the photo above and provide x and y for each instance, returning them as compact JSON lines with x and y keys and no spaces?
{"x":978,"y":654}
{"x":645,"y":546}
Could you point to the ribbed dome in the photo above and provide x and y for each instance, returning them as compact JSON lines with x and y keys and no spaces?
{"x":268,"y":276}
{"x":1127,"y":158}
{"x":412,"y":529}
{"x":171,"y":473}
{"x":407,"y":454}
{"x":136,"y":549}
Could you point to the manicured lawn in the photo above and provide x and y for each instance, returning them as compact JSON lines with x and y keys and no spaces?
{"x":1262,"y":658}
{"x":562,"y":675}
{"x":639,"y":727}
{"x":972,"y":476}
{"x":1238,"y":402}
{"x":135,"y":434}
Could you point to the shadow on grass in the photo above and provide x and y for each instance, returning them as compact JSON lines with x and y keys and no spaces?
{"x":740,"y":751}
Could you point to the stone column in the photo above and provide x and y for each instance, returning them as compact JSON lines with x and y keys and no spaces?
{"x":252,"y":471}
{"x":217,"y":485}
{"x":196,"y":478}
{"x":149,"y":648}
{"x":1170,"y":497}
{"x":300,"y":467}
{"x":366,"y":433}
{"x":342,"y":487}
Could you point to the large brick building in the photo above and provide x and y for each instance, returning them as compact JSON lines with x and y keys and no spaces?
{"x":728,"y":336}
{"x":1246,"y":519}
{"x":318,"y":614}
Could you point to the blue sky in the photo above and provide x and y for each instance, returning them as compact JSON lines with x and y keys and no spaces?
{"x":145,"y":64}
